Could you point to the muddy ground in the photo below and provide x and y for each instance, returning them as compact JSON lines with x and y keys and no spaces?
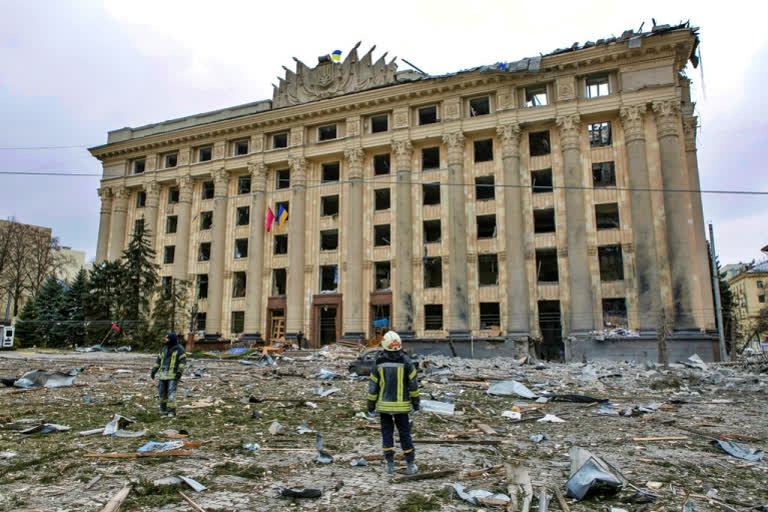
{"x":64,"y":471}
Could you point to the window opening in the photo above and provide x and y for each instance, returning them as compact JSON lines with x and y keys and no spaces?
{"x":599,"y":134}
{"x":202,"y":286}
{"x":433,"y":317}
{"x":431,"y":192}
{"x":171,"y":160}
{"x":486,"y":226}
{"x":329,"y":205}
{"x":200,"y":321}
{"x":238,"y":284}
{"x":544,"y":221}
{"x":243,"y":215}
{"x":487,"y":270}
{"x":541,"y":181}
{"x":166,"y":286}
{"x":331,"y":172}
{"x":280,"y":140}
{"x":138,"y":226}
{"x":244,"y":185}
{"x":329,"y":240}
{"x":327,"y":132}
{"x":432,"y":231}
{"x":382,"y":273}
{"x":283,"y":179}
{"x":546,"y":266}
{"x":379,"y":124}
{"x":536,"y":96}
{"x":484,"y":150}
{"x":207,"y":190}
{"x":598,"y":86}
{"x":171,"y":223}
{"x":141,"y":199}
{"x":603,"y":174}
{"x":169,"y":253}
{"x":611,"y":264}
{"x":485,"y":189}
{"x":607,"y":216}
{"x":538,"y":143}
{"x":241,"y":248}
{"x":205,"y":251}
{"x":479,"y":106}
{"x":381,"y":236}
{"x":430,"y":158}
{"x":278,"y":281}
{"x":615,"y":312}
{"x":138,"y":166}
{"x":206,"y":220}
{"x":381,"y":199}
{"x":428,"y":115}
{"x":237,"y":324}
{"x":433,"y":272}
{"x":281,"y":244}
{"x":204,"y":154}
{"x":381,"y":164}
{"x":329,"y":278}
{"x":173,"y":195}
{"x":490,"y":315}
{"x":241,"y":147}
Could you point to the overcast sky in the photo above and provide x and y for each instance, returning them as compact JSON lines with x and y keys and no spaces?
{"x":71,"y":71}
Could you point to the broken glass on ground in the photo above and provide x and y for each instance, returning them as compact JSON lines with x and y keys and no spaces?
{"x":582,"y":399}
{"x":437,"y":407}
{"x":510,"y":387}
{"x":739,"y":450}
{"x":591,"y":474}
{"x":251,"y":447}
{"x":359,"y":462}
{"x":323,"y":393}
{"x":276,"y":428}
{"x":322,"y":457}
{"x":537,"y":438}
{"x":155,"y":447}
{"x":327,"y":374}
{"x":304,"y":428}
{"x":478,"y":496}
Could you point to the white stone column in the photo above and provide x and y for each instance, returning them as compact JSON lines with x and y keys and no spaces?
{"x":579,"y":278}
{"x":152,"y":190}
{"x":213,"y":322}
{"x":294,"y":321}
{"x":253,"y":306}
{"x":353,"y":235}
{"x":402,"y":291}
{"x":458,"y":315}
{"x":105,"y":193}
{"x":181,"y":256}
{"x":117,"y":225}
{"x":514,"y":234}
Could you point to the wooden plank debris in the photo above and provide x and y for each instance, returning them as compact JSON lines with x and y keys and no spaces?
{"x":458,"y":441}
{"x":668,"y":438}
{"x":192,"y":503}
{"x":424,"y":476}
{"x":117,"y":500}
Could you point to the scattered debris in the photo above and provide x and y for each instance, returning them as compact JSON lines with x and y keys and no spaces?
{"x":550,"y":418}
{"x":510,"y":387}
{"x":7,"y":455}
{"x":474,"y":496}
{"x":191,"y":503}
{"x":276,"y":428}
{"x":251,"y":447}
{"x":155,"y":447}
{"x":323,"y":393}
{"x":538,"y":438}
{"x":438,"y":407}
{"x":299,"y":492}
{"x":46,"y":379}
{"x":45,"y":428}
{"x":117,"y":500}
{"x":513,"y":415}
{"x":739,"y":451}
{"x":591,"y":474}
{"x":304,"y":428}
{"x":359,"y":462}
{"x":423,"y":476}
{"x":323,"y":457}
{"x":118,"y":422}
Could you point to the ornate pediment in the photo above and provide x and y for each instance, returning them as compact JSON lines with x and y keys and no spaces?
{"x":329,"y":78}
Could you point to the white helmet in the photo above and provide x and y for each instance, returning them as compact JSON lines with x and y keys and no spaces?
{"x":391,"y":341}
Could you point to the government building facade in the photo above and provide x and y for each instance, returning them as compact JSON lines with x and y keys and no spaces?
{"x":545,"y":199}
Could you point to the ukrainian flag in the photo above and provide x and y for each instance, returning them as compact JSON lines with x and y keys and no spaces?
{"x":282,"y":217}
{"x":336,"y":56}
{"x":194,"y":221}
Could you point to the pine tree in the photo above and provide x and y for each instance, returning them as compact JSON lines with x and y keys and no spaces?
{"x":169,"y":311}
{"x":51,"y":316}
{"x":26,"y":324}
{"x":140,"y":283}
{"x":103,"y":304}
{"x":74,"y":308}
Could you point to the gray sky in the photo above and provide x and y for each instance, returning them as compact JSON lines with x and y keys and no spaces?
{"x":74,"y":70}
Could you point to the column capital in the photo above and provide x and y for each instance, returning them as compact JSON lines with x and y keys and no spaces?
{"x":120,"y":192}
{"x":258,"y":171}
{"x":403,"y":150}
{"x":510,"y":139}
{"x":354,"y":157}
{"x":689,"y":129}
{"x":185,"y":184}
{"x":667,"y":117}
{"x":105,"y":193}
{"x":220,"y":182}
{"x":298,"y":170}
{"x":152,"y":188}
{"x":570,"y":129}
{"x":454,"y":142}
{"x":632,"y":120}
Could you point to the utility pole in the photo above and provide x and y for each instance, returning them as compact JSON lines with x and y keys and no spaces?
{"x":716,"y":287}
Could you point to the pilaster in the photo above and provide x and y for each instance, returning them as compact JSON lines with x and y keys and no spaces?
{"x":352,"y":277}
{"x":117,"y":226}
{"x":254,"y":282}
{"x":183,"y":235}
{"x":214,"y":324}
{"x":296,"y":247}
{"x":402,"y":296}
{"x":152,"y":189}
{"x":105,"y":214}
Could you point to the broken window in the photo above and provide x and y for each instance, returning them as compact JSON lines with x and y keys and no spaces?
{"x":541,"y":180}
{"x":607,"y":216}
{"x":379,"y":123}
{"x":597,"y":86}
{"x":536,"y":96}
{"x":329,"y":240}
{"x":431,"y":231}
{"x":240,"y":147}
{"x":615,"y":312}
{"x":538,"y":143}
{"x":327,"y":132}
{"x":138,"y":165}
{"x":244,"y":185}
{"x":430,"y":158}
{"x":283,"y":179}
{"x":173,"y":195}
{"x":599,"y":134}
{"x":484,"y":150}
{"x":280,"y":140}
{"x":381,"y":199}
{"x":428,"y":115}
{"x":141,"y":199}
{"x":433,"y":317}
{"x":238,"y":284}
{"x":431,"y":192}
{"x":169,"y":252}
{"x":382,"y":272}
{"x":166,"y":286}
{"x":381,"y":235}
{"x":243,"y":215}
{"x":329,"y":278}
{"x":611,"y":264}
{"x":200,"y":321}
{"x":331,"y":172}
{"x":284,"y":205}
{"x":202,"y":286}
{"x":205,"y":251}
{"x":479,"y":106}
{"x":603,"y":174}
{"x":329,"y":205}
{"x":204,"y":154}
{"x":759,"y":284}
{"x":544,"y":221}
{"x":490,"y":315}
{"x":433,"y":272}
{"x":546,"y":266}
{"x":281,"y":244}
{"x":485,"y":188}
{"x":761,"y":298}
{"x":206,"y":220}
{"x":278,"y":281}
{"x":381,"y":164}
{"x":487,"y":270}
{"x":170,"y":160}
{"x":241,"y":248}
{"x":486,"y":226}
{"x":237,"y":324}
{"x":208,"y":190}
{"x":138,"y":226}
{"x":171,"y":223}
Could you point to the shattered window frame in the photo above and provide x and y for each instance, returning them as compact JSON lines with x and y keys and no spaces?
{"x":138,"y":165}
{"x":433,"y":272}
{"x":487,"y":226}
{"x":204,"y":252}
{"x":382,"y":235}
{"x":207,"y":190}
{"x":615,"y":312}
{"x":382,"y":271}
{"x":607,"y":216}
{"x":206,"y":220}
{"x":239,"y":284}
{"x":536,"y":96}
{"x":279,"y":282}
{"x":282,"y":179}
{"x":329,"y":278}
{"x":597,"y":86}
{"x":487,"y":270}
{"x":329,"y":240}
{"x":428,"y":114}
{"x":243,"y":215}
{"x":430,"y":158}
{"x":433,"y":317}
{"x":173,"y":195}
{"x":381,"y":164}
{"x":241,"y":248}
{"x":169,"y":254}
{"x":170,"y":160}
{"x":171,"y":224}
{"x":329,"y":205}
{"x":331,"y":172}
{"x":489,"y":314}
{"x":611,"y":261}
{"x":485,"y":188}
{"x":603,"y":174}
{"x":379,"y":123}
{"x":479,"y":106}
{"x":541,"y":181}
{"x":483,"y":150}
{"x":600,"y":134}
{"x":244,"y":184}
{"x":541,"y":220}
{"x":141,"y":199}
{"x":430,"y":227}
{"x":430,"y":193}
{"x":280,"y":244}
{"x":539,"y":143}
{"x":382,"y":199}
{"x":547,"y":274}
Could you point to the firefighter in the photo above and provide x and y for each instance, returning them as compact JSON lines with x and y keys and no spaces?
{"x":393,"y":392}
{"x":170,"y":362}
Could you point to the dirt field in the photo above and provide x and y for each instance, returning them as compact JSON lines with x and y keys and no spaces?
{"x":64,"y":471}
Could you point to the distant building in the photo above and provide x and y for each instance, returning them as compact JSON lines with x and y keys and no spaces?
{"x":73,"y":262}
{"x":749,"y":296}
{"x":542,"y":198}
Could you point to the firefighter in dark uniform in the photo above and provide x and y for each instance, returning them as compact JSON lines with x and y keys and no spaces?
{"x":170,"y":363}
{"x":393,"y":392}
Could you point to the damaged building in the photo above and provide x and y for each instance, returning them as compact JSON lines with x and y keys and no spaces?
{"x":546,"y":198}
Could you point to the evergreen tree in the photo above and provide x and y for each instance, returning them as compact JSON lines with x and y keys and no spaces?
{"x":74,"y":308}
{"x":104,"y":300}
{"x":169,"y":312}
{"x":51,"y":317}
{"x":26,"y":325}
{"x":140,"y":283}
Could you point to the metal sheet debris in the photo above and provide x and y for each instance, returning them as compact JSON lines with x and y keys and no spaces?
{"x":590,"y":473}
{"x":739,"y":451}
{"x":438,"y":407}
{"x":476,"y":495}
{"x":511,"y":387}
{"x":322,"y":457}
{"x":155,"y":447}
{"x":46,"y":379}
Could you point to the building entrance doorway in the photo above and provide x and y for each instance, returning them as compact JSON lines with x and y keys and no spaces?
{"x":551,"y":347}
{"x":327,"y":325}
{"x":326,"y":319}
{"x":275,"y":326}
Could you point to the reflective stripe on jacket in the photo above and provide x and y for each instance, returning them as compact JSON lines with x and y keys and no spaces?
{"x":170,"y":361}
{"x":393,"y":385}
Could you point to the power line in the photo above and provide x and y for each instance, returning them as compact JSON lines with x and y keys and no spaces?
{"x":31,"y":173}
{"x":34,"y":148}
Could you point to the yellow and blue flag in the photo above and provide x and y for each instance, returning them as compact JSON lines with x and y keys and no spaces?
{"x":336,"y":56}
{"x":282,"y":217}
